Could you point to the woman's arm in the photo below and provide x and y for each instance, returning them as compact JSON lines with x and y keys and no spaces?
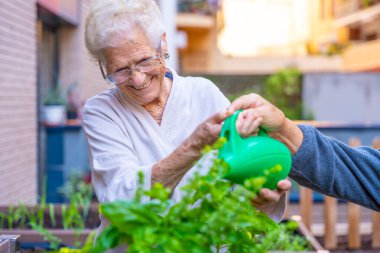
{"x":170,"y":170}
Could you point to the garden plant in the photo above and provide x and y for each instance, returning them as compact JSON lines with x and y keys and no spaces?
{"x":214,"y":215}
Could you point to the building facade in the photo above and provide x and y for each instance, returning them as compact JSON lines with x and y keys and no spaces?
{"x":41,"y":46}
{"x":350,"y":28}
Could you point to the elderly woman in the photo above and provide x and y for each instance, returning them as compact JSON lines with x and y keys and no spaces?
{"x":152,"y":119}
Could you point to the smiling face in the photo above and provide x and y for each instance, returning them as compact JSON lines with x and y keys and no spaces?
{"x":142,"y":88}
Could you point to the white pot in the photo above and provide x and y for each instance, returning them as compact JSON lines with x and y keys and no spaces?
{"x":55,"y":114}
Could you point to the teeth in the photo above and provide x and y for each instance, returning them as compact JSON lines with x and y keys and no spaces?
{"x":143,"y":87}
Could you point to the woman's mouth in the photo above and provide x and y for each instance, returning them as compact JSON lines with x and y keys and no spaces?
{"x":144,"y":86}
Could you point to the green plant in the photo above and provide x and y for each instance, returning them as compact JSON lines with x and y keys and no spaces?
{"x":210,"y":217}
{"x":283,"y":89}
{"x":367,"y":3}
{"x":3,"y":217}
{"x":56,"y":96}
{"x":48,"y":236}
{"x":80,"y":194}
{"x":21,"y":215}
{"x":52,"y":215}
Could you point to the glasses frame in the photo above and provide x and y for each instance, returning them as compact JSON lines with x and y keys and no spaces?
{"x":108,"y":78}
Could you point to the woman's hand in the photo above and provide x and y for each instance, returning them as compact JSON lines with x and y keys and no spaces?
{"x":207,"y":132}
{"x":170,"y":170}
{"x":268,"y":198}
{"x":259,"y":112}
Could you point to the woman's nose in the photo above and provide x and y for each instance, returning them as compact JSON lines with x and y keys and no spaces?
{"x":137,"y":77}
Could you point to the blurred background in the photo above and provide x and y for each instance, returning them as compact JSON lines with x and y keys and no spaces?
{"x":318,"y":60}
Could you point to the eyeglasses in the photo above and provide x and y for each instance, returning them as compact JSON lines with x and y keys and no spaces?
{"x":150,"y":66}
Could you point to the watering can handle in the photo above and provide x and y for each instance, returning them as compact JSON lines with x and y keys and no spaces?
{"x":230,"y":132}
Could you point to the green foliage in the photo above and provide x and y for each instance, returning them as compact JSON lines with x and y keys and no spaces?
{"x":52,"y":239}
{"x":56,"y":96}
{"x":74,"y":214}
{"x":367,"y":3}
{"x":283,"y":89}
{"x":78,"y":192}
{"x":212,"y":215}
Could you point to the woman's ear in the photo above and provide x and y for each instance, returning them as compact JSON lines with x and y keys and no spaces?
{"x":164,"y":46}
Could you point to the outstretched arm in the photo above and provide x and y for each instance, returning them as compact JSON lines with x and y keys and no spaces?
{"x":335,"y":169}
{"x":319,"y":162}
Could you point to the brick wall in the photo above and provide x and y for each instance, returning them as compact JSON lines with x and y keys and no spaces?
{"x":76,"y":65}
{"x":18,"y":116}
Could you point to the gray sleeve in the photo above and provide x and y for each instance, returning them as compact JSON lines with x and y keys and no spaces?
{"x":333,"y":168}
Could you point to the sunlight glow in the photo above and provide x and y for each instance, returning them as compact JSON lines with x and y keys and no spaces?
{"x":259,"y":27}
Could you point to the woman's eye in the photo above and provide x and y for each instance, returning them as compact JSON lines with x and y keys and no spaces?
{"x":144,"y":60}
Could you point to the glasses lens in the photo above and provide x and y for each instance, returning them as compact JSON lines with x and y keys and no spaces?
{"x":150,"y":66}
{"x":119,"y":77}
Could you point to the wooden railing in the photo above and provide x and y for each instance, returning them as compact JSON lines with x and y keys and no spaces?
{"x":330,"y":215}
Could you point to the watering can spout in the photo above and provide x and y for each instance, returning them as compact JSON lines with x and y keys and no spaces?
{"x":254,"y":156}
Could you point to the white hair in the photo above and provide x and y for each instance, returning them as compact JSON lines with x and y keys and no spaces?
{"x":108,"y":22}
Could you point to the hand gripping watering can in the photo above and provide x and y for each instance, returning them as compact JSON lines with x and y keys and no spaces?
{"x":252,"y":156}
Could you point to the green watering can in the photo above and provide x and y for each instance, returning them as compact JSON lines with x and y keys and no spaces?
{"x":252,"y":156}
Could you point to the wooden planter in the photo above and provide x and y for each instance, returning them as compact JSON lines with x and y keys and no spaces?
{"x":68,"y":237}
{"x":9,"y":243}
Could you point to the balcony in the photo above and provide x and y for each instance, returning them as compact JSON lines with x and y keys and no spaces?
{"x":351,"y":12}
{"x":200,"y":7}
{"x":362,"y":57}
{"x":195,"y":21}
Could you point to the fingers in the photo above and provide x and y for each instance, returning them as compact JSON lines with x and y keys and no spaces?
{"x":245,"y":101}
{"x":248,"y":123}
{"x":284,"y":186}
{"x":267,"y":196}
{"x":220,"y":116}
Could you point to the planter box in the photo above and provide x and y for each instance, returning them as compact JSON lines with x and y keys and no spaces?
{"x":68,"y":237}
{"x":32,"y":239}
{"x":92,"y":221}
{"x":5,"y":246}
{"x":9,"y":243}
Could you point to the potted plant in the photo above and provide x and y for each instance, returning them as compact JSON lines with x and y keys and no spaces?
{"x":55,"y":107}
{"x":74,"y":103}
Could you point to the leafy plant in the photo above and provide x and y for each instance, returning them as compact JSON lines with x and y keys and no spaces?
{"x":48,"y":236}
{"x":56,"y":96}
{"x":80,"y":194}
{"x":3,"y":217}
{"x":213,"y":215}
{"x":21,"y":215}
{"x":283,"y":89}
{"x":52,"y":215}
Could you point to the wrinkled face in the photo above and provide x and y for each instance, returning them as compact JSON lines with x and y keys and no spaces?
{"x":134,"y":54}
